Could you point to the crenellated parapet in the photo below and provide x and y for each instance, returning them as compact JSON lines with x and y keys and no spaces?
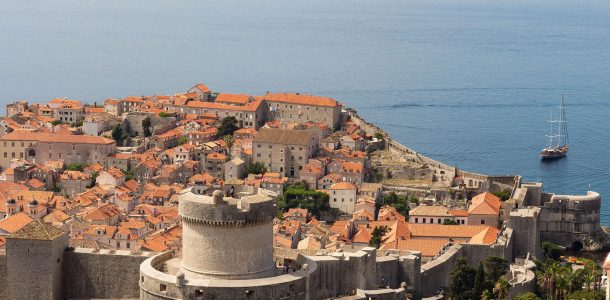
{"x":220,"y":211}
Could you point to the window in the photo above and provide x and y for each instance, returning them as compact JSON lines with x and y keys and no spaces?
{"x":482,"y":222}
{"x":416,"y":220}
{"x":162,"y":288}
{"x":423,"y":220}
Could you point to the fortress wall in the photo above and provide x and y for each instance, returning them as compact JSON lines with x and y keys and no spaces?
{"x":3,"y":274}
{"x":302,"y":284}
{"x":388,"y":271}
{"x":435,"y":274}
{"x":101,"y":274}
{"x":566,"y":219}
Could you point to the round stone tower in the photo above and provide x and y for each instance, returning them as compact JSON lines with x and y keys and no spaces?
{"x":226,"y":238}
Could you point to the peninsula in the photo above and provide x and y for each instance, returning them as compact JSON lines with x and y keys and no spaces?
{"x":207,"y":195}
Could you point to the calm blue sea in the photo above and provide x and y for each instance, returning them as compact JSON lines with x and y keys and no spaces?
{"x":468,"y":82}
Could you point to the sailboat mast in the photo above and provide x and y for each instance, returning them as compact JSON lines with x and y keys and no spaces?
{"x":560,"y":127}
{"x":564,"y":122}
{"x":551,"y":131}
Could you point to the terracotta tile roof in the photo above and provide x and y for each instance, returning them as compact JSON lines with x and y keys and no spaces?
{"x":427,"y":247}
{"x":202,"y":87}
{"x":389,"y":213}
{"x":487,"y":236}
{"x":459,"y":213}
{"x":216,"y":155}
{"x":56,"y":138}
{"x":56,"y":216}
{"x":234,"y":98}
{"x":163,"y":241}
{"x":484,"y":204}
{"x":355,"y":167}
{"x":15,"y":222}
{"x":37,"y":230}
{"x":102,"y":213}
{"x":105,"y":230}
{"x":430,"y":211}
{"x":296,"y":212}
{"x":343,"y":186}
{"x":302,"y":99}
{"x":252,"y":106}
{"x":370,"y":187}
{"x":448,"y":231}
{"x":284,"y":136}
{"x":362,"y":236}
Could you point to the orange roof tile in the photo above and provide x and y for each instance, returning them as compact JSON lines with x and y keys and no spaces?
{"x":302,"y":99}
{"x":427,"y":247}
{"x":15,"y":222}
{"x":234,"y":98}
{"x":343,"y":186}
{"x":485,"y":204}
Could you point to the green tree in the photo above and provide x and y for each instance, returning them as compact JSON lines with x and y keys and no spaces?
{"x":93,"y":177}
{"x":462,"y":281}
{"x":449,"y":222}
{"x":501,"y":288}
{"x":503,"y":195}
{"x":486,"y":295}
{"x":119,"y":135}
{"x":378,"y":135}
{"x":588,"y":295}
{"x":182,"y":140}
{"x":164,"y":114}
{"x":397,"y":201}
{"x":547,"y":277}
{"x":479,"y":281}
{"x":147,"y":126}
{"x":75,"y":167}
{"x":527,"y":296}
{"x":377,"y":236}
{"x":227,"y":126}
{"x":495,"y":268}
{"x":229,"y":139}
{"x":299,"y":195}
{"x":256,"y":168}
{"x":551,"y":250}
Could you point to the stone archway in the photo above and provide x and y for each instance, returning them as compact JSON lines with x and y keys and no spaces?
{"x":576,"y":246}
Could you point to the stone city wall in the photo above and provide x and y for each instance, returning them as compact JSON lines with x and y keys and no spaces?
{"x":102,"y":274}
{"x":435,"y":274}
{"x":3,"y":274}
{"x":301,"y":284}
{"x":568,"y":219}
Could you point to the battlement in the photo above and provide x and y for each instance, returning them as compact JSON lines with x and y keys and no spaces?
{"x":217,"y":210}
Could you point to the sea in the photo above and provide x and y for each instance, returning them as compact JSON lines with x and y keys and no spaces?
{"x":469,"y":82}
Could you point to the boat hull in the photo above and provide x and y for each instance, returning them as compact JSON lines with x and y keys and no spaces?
{"x":554,"y":153}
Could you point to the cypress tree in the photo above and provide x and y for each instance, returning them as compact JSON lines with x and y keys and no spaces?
{"x":479,"y":282}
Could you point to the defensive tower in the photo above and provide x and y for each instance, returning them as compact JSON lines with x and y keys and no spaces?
{"x":226,"y":238}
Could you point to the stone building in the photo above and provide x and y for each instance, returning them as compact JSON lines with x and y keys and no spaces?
{"x":40,"y":147}
{"x":35,"y":262}
{"x":250,"y":115}
{"x":302,"y":108}
{"x":68,"y":111}
{"x":343,"y":197}
{"x":16,"y":107}
{"x":284,"y":151}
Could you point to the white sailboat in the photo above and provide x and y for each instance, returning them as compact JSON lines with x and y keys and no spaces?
{"x":559,"y":142}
